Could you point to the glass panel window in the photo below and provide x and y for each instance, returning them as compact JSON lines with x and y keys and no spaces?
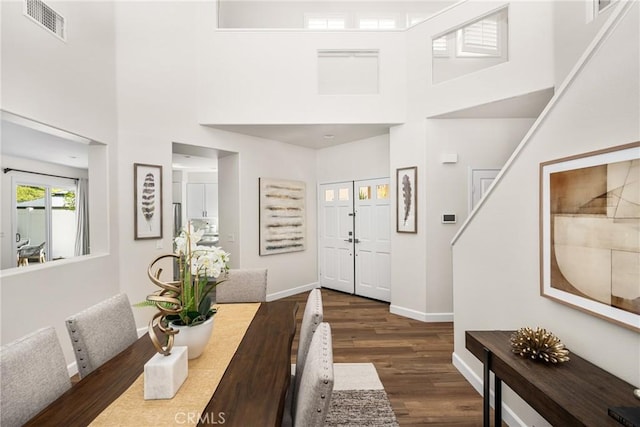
{"x":382,"y":191}
{"x":440,"y":47}
{"x":329,"y":195}
{"x":364,"y":193}
{"x":343,"y":194}
{"x":325,"y":22}
{"x":376,"y":23}
{"x":46,"y":222}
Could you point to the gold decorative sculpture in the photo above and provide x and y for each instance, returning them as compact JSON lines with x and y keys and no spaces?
{"x":538,"y":344}
{"x":168,"y":302}
{"x":186,"y":300}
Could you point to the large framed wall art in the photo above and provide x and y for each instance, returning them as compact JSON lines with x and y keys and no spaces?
{"x":407,"y":200}
{"x":147,"y":193}
{"x":282,"y":216}
{"x":590,"y":233}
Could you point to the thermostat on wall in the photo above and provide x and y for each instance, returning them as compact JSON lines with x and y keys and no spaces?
{"x":448,"y":218}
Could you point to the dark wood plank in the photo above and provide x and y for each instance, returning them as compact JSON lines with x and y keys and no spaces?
{"x":252,"y":390}
{"x":574,"y":393}
{"x":413,"y":359}
{"x":255,"y":381}
{"x":91,"y":395}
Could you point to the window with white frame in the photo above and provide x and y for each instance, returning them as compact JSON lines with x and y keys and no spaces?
{"x":484,"y":37}
{"x":334,"y":21}
{"x":440,"y":46}
{"x":377,"y":23}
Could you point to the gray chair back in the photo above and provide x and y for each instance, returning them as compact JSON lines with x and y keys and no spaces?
{"x":316,"y":386}
{"x":34,"y":374}
{"x":243,"y":285}
{"x":101,"y":331}
{"x":311,"y":319}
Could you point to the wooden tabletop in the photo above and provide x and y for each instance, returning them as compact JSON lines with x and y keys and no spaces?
{"x":573,"y":393}
{"x":251,"y":392}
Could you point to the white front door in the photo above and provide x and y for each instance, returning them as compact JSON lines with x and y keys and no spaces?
{"x":373,"y":239}
{"x":354,"y":238}
{"x":336,"y":237}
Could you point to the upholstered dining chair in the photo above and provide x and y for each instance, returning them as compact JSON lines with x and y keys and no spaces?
{"x":243,"y":285}
{"x":316,"y":385}
{"x":101,"y":331}
{"x":34,"y":374}
{"x":311,"y":319}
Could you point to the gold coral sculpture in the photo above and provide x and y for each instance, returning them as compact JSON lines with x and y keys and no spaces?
{"x":539,"y":344}
{"x":168,"y":302}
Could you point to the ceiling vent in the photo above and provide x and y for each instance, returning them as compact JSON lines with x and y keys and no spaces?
{"x":48,"y":18}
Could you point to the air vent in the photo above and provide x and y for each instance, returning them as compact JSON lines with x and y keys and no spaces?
{"x":45,"y":16}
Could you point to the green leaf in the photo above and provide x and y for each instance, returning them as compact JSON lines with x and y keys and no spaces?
{"x":205,"y":305}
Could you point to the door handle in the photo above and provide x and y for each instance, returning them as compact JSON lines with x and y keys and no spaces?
{"x":357,"y":240}
{"x":350,"y":240}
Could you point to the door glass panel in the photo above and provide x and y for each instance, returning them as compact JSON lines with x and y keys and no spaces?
{"x":382,"y":191}
{"x":364,"y":193}
{"x":343,"y":194}
{"x":63,"y":223}
{"x":329,"y":195}
{"x":31,"y":222}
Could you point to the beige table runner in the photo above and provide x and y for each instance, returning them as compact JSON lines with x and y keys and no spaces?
{"x":130,"y":409}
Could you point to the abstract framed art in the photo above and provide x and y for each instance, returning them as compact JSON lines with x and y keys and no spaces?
{"x":407,"y":200}
{"x":282,"y":216}
{"x":147,"y":193}
{"x":590,"y":233}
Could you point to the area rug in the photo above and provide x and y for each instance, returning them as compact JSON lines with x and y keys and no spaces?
{"x":358,"y":398}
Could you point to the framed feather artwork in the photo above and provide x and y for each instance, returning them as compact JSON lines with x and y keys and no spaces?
{"x":282,"y":216}
{"x":147,"y":193}
{"x":407,"y":200}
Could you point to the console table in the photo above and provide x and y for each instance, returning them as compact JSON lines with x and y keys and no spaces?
{"x":574,"y":393}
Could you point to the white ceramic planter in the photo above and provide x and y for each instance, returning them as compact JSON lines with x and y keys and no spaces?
{"x":195,"y":338}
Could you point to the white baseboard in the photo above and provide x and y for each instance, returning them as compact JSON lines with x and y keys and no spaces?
{"x":418,"y":315}
{"x":508,"y":415}
{"x":292,"y":291}
{"x":72,"y":369}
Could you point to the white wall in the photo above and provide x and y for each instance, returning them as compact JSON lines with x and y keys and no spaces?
{"x":285,"y":90}
{"x":496,"y":261}
{"x":529,"y":68}
{"x":71,"y":86}
{"x":158,"y":51}
{"x":479,"y":143}
{"x":423,"y":289}
{"x":364,"y":159}
{"x":574,"y":27}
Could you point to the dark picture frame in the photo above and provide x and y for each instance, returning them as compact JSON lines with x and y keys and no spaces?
{"x":589,"y":215}
{"x":147,"y":201}
{"x":407,"y":200}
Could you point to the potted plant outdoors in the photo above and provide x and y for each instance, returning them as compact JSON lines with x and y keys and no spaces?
{"x":185,"y":314}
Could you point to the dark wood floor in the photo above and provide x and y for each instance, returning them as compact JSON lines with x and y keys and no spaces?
{"x":413,"y":359}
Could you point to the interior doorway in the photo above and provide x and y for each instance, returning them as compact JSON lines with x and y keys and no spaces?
{"x":354,"y":237}
{"x":480,"y":182}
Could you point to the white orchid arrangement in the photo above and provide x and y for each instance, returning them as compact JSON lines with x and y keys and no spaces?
{"x":186,"y":300}
{"x":200,"y":270}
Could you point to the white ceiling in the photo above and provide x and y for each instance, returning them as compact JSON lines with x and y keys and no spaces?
{"x":45,"y":145}
{"x":311,"y":135}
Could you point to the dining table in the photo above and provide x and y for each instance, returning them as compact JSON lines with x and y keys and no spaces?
{"x":251,"y":392}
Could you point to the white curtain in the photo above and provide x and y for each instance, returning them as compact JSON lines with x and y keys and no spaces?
{"x":82,"y":217}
